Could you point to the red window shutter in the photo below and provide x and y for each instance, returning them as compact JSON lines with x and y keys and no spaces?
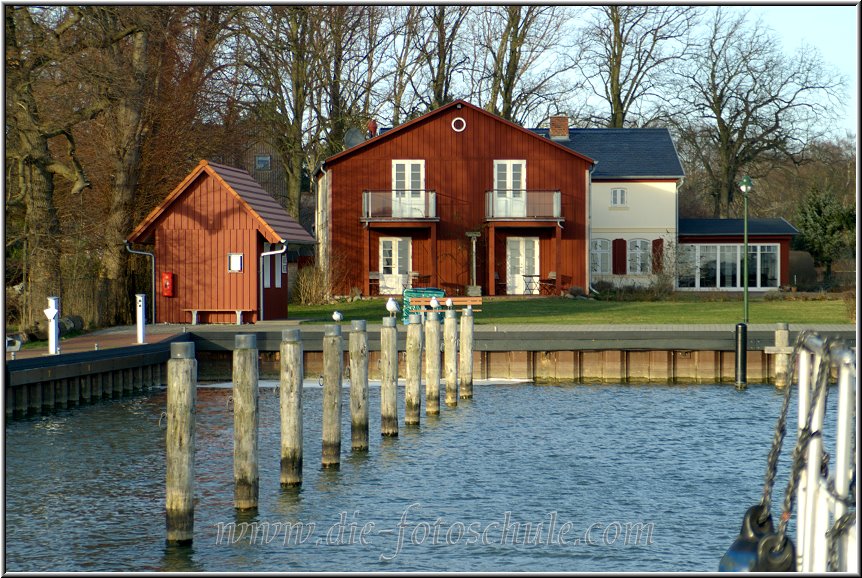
{"x":619,"y":257}
{"x":657,"y":255}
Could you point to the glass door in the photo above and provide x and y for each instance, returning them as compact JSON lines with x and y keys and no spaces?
{"x":510,"y":197}
{"x":395,"y":263}
{"x":522,"y":258}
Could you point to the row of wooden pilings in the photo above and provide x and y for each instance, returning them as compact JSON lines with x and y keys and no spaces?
{"x":182,"y":385}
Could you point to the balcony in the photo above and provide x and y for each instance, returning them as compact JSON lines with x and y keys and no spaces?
{"x":399,"y":205}
{"x":522,"y":205}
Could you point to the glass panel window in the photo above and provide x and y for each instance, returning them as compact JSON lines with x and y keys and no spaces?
{"x":234,"y":262}
{"x":687,"y":266}
{"x":752,"y":264}
{"x":640,"y":257}
{"x":600,"y":256}
{"x":618,"y":198}
{"x":730,"y":266}
{"x":386,"y":257}
{"x":262,"y":162}
{"x":708,"y":266}
{"x":769,"y":266}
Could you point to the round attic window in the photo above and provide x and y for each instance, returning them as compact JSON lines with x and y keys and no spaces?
{"x":459,"y":124}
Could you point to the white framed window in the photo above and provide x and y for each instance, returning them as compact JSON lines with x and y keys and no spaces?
{"x":234,"y":262}
{"x":639,"y":257}
{"x":510,"y":182}
{"x":707,"y":266}
{"x":600,"y":256}
{"x":408,"y":188}
{"x":619,"y":198}
{"x":262,"y":162}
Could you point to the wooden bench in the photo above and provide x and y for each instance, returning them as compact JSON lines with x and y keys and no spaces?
{"x":238,"y":312}
{"x":474,"y":302}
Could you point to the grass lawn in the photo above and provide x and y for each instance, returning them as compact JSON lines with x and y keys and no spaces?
{"x":562,"y":311}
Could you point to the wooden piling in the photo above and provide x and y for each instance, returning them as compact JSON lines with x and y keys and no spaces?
{"x":332,"y":371}
{"x":358,"y":345}
{"x":782,"y":360}
{"x":388,"y":378}
{"x":74,"y":391}
{"x":450,"y":356}
{"x":34,"y":398}
{"x":290,"y":390}
{"x":412,"y":388}
{"x":60,"y":394}
{"x":245,"y":422}
{"x":466,"y":361}
{"x":432,"y":364}
{"x":180,"y":443}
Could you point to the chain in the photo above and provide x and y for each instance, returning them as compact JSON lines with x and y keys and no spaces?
{"x":780,"y":432}
{"x":840,"y":526}
{"x":805,"y":437}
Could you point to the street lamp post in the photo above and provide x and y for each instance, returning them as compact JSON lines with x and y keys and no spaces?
{"x":745,"y":185}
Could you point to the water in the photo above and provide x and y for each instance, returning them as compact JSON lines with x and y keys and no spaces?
{"x":521,"y":478}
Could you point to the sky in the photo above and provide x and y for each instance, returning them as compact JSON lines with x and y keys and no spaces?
{"x":833,"y":30}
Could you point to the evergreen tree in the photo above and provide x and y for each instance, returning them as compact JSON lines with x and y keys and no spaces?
{"x":823,"y":226}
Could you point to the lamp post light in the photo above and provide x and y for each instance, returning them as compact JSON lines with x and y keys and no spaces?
{"x":745,"y":185}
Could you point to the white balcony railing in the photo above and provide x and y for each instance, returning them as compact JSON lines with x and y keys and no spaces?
{"x":522,"y":204}
{"x":399,"y":205}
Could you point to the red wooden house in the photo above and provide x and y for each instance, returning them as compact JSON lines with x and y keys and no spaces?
{"x":395,"y":210}
{"x":220,"y":245}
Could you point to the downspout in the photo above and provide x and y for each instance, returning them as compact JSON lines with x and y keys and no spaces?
{"x":590,"y":288}
{"x":152,"y":274}
{"x":260,"y":271}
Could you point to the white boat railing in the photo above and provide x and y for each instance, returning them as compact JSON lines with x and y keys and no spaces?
{"x":826,"y":536}
{"x":826,"y":528}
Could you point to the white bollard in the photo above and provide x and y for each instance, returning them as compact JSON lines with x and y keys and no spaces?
{"x":141,"y":302}
{"x":53,"y":315}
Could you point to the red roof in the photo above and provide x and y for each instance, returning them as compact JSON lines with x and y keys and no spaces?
{"x":276,"y":224}
{"x":455,"y":104}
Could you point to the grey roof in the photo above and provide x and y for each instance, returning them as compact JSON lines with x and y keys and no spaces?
{"x":629,"y":153}
{"x":264,"y":204}
{"x":717,"y":227}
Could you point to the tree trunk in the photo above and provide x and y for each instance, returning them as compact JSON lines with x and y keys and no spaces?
{"x":116,"y":303}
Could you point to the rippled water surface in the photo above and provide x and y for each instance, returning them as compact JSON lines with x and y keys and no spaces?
{"x":521,"y":478}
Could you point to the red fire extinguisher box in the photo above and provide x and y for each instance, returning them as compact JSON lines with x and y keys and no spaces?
{"x":167,"y":284}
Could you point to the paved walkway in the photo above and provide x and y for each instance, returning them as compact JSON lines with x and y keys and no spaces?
{"x":125,"y":336}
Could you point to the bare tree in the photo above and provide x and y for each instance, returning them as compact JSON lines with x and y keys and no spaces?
{"x":42,"y":46}
{"x":440,"y":50}
{"x":280,"y":56}
{"x":401,"y":62}
{"x":520,"y":60}
{"x":629,"y":52}
{"x":740,"y":100}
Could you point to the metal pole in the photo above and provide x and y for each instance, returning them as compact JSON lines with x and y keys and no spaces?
{"x":745,"y":258}
{"x":741,"y":354}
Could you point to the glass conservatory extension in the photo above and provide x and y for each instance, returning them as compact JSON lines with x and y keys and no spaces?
{"x":720,"y":267}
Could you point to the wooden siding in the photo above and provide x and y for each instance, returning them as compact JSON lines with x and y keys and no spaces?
{"x":459,"y":167}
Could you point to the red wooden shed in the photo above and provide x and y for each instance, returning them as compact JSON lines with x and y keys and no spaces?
{"x":220,"y":245}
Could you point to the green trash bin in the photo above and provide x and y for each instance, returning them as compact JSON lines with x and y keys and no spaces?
{"x":407,"y":308}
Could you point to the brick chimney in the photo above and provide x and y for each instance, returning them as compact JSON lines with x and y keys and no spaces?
{"x":559,"y":127}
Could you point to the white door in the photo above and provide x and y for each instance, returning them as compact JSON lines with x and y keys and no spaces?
{"x":395,"y":263}
{"x":522,"y":258}
{"x":408,"y":189}
{"x":510,"y":197}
